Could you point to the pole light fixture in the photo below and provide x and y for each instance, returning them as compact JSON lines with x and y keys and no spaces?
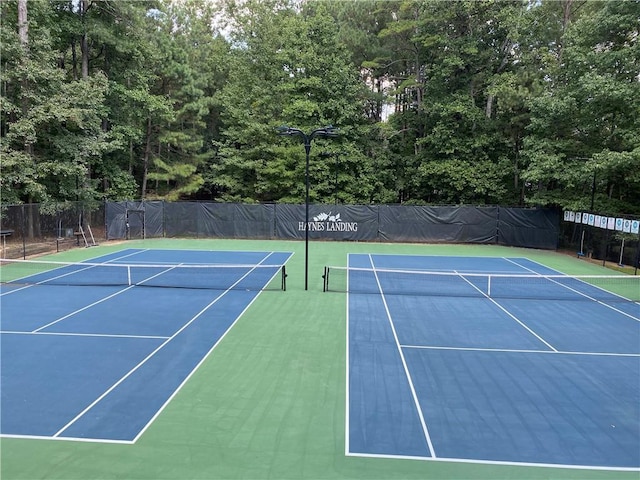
{"x":328,"y":131}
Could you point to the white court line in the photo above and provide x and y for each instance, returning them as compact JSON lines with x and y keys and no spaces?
{"x":423,"y":423}
{"x":148,"y":357}
{"x":66,"y":439}
{"x":70,"y":334}
{"x":509,"y":350}
{"x":347,"y":431}
{"x":496,"y":462}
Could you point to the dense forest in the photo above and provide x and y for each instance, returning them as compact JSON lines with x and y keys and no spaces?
{"x":511,"y":102}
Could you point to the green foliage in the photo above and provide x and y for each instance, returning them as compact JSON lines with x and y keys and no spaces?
{"x":300,"y":76}
{"x":52,"y":135}
{"x":583,"y":136}
{"x":483,"y":102}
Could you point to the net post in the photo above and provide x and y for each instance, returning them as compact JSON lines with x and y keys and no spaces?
{"x":325,"y":279}
{"x":489,"y":286}
{"x":129,"y":275}
{"x":284,"y":278}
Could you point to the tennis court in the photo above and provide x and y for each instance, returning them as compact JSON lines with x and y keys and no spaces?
{"x":496,"y":360}
{"x":269,"y":397}
{"x":95,"y":350}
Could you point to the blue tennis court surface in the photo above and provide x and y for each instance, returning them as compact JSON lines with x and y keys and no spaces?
{"x":531,"y":380}
{"x":100,"y":362}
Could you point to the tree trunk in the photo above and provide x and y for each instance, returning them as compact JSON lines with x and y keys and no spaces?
{"x":23,"y":24}
{"x":84,"y":42}
{"x":145,"y":160}
{"x":489,"y":107}
{"x":74,"y":59}
{"x":566,"y":19}
{"x":23,"y":34}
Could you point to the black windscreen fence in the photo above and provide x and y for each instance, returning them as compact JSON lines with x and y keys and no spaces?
{"x":439,"y":224}
{"x":34,"y":229}
{"x":522,"y":227}
{"x":534,"y":228}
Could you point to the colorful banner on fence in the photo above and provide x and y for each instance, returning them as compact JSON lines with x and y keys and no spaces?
{"x":625,"y":225}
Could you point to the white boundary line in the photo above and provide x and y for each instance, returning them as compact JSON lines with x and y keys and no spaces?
{"x":347,"y":420}
{"x":496,"y":462}
{"x":509,"y":350}
{"x":71,"y":334}
{"x":66,"y":439}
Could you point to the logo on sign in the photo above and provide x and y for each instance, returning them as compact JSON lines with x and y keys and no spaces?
{"x":328,"y":222}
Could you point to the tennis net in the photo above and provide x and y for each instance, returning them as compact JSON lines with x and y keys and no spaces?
{"x":607,"y":288}
{"x":206,"y":276}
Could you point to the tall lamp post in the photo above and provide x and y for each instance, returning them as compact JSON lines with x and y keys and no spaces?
{"x":328,"y":131}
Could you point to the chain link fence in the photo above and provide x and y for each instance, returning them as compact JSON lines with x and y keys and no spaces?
{"x":609,"y":247}
{"x":35,"y":229}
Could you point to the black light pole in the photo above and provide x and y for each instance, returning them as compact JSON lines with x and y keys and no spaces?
{"x":328,"y":131}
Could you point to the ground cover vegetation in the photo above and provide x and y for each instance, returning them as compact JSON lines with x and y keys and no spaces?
{"x":482,"y":102}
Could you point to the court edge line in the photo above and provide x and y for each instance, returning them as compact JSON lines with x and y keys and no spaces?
{"x":425,"y":430}
{"x":431,"y":255}
{"x":66,"y":439}
{"x":166,"y":249}
{"x":506,"y":350}
{"x":115,"y":385}
{"x":71,"y":334}
{"x":347,"y":419}
{"x":626,"y":314}
{"x":166,"y":403}
{"x":495,"y":462}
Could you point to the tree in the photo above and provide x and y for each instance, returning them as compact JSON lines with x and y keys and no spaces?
{"x":286,"y":67}
{"x":448,"y":141}
{"x":51,"y":129}
{"x":510,"y":102}
{"x":584,"y":145}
